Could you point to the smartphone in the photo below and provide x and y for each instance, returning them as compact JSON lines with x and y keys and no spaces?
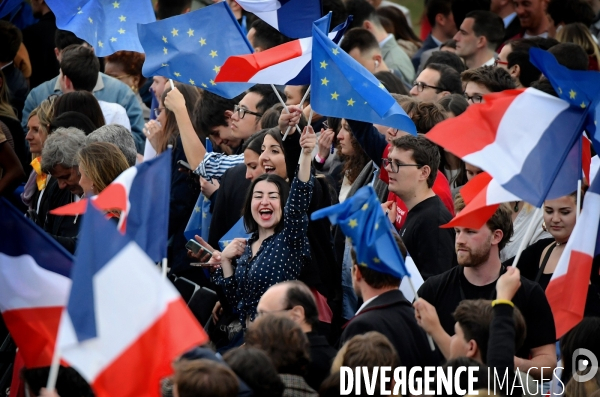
{"x":185,"y":165}
{"x":195,"y":247}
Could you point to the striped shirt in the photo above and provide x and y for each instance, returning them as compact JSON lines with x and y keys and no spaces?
{"x":214,"y":164}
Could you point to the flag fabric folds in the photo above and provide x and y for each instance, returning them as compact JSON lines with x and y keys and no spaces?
{"x":34,"y":285}
{"x":341,"y":87}
{"x":579,"y":88}
{"x":142,"y":194}
{"x":286,"y":64}
{"x":124,"y":323}
{"x":192,"y":47}
{"x":511,"y":136}
{"x":237,"y":231}
{"x":293,"y":18}
{"x":199,"y":222}
{"x":107,"y":25}
{"x":362,"y":220}
{"x":568,"y":287}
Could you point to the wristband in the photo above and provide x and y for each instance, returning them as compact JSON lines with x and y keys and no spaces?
{"x":320,"y":160}
{"x":502,"y":302}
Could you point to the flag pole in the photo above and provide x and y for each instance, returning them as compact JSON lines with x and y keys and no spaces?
{"x":578,"y":199}
{"x":301,"y":103}
{"x":164,"y":268}
{"x":284,"y":107}
{"x":54,"y":366}
{"x":527,"y":237}
{"x":310,"y":116}
{"x":412,"y":286}
{"x":172,"y":85}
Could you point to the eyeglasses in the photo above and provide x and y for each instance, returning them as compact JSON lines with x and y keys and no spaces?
{"x":499,"y":62}
{"x":474,"y":98}
{"x":158,"y":111}
{"x":242,"y":112}
{"x":395,"y":166}
{"x":421,"y":86}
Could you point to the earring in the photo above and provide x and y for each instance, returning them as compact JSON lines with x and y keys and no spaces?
{"x":544,"y":226}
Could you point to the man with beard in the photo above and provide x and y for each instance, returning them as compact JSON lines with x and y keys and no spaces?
{"x":478,"y":254}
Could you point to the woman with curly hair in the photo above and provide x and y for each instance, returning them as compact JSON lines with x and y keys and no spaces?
{"x":126,"y":66}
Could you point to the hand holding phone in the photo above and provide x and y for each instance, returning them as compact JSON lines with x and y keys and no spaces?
{"x":198,"y":251}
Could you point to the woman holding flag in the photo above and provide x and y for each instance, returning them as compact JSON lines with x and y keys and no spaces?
{"x":278,"y":248}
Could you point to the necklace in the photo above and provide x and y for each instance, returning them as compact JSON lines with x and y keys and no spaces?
{"x":516,"y":207}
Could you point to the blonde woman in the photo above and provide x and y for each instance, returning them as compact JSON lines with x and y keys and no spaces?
{"x":579,"y":34}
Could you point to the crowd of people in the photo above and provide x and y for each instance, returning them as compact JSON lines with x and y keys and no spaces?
{"x":293,"y":305}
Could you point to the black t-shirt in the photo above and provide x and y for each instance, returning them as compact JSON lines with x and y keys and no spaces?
{"x":447,"y":290}
{"x":529,"y":264}
{"x":431,"y":248}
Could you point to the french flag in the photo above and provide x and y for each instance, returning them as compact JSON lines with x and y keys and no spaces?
{"x":124,"y":324}
{"x":568,"y":287}
{"x":34,"y":285}
{"x":293,"y":18}
{"x":522,"y":138}
{"x":141,"y":193}
{"x":286,"y":64}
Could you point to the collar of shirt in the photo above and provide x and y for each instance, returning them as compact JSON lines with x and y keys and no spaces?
{"x":365,"y":303}
{"x":436,"y":41}
{"x":8,"y":64}
{"x":527,"y":35}
{"x":509,"y":18}
{"x":490,"y":62}
{"x":99,"y":84}
{"x":388,"y":38}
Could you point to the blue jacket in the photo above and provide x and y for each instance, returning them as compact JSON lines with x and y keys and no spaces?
{"x":107,"y":89}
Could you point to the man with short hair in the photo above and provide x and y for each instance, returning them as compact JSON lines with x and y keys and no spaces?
{"x":435,"y":82}
{"x":412,"y":166}
{"x":478,"y":37}
{"x":204,"y":377}
{"x":213,"y":115}
{"x":386,"y":310}
{"x":117,"y":135}
{"x":295,"y":300}
{"x":247,"y":113}
{"x":107,"y":89}
{"x":532,"y":16}
{"x":443,"y":27}
{"x":169,"y":8}
{"x":478,"y":254}
{"x":570,"y":55}
{"x":394,"y":56}
{"x":485,"y":80}
{"x":59,"y":160}
{"x":361,"y":45}
{"x":263,"y":36}
{"x":563,"y":12}
{"x":514,"y":57}
{"x":505,"y":9}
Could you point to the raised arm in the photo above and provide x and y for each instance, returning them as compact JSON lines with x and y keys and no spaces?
{"x":308,"y":140}
{"x":192,"y":145}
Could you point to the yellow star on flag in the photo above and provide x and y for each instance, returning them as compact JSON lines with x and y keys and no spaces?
{"x":324,"y":81}
{"x":376,"y":226}
{"x":217,"y":69}
{"x":204,"y":215}
{"x":175,"y":32}
{"x":192,"y":82}
{"x":165,"y":50}
{"x":177,"y":74}
{"x":572,"y":94}
{"x":213,"y":53}
{"x":90,"y":19}
{"x":323,"y":65}
{"x":335,"y":51}
{"x":350,"y":102}
{"x":353,"y":223}
{"x":212,"y":82}
{"x":197,"y":209}
{"x":202,"y":41}
{"x":116,"y":4}
{"x":363,"y":264}
{"x":335,"y":95}
{"x":163,"y":39}
{"x":113,"y":39}
{"x":79,"y":10}
{"x":365,"y":206}
{"x":122,"y":18}
{"x":204,"y":85}
{"x":122,"y":31}
{"x":190,"y":32}
{"x":100,"y":44}
{"x":381,"y":85}
{"x":583,"y":106}
{"x":376,"y":260}
{"x":164,"y":64}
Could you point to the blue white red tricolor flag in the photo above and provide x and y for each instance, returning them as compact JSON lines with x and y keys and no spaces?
{"x":142,"y":195}
{"x":522,"y":138}
{"x":124,"y":324}
{"x":34,"y":285}
{"x":286,"y":64}
{"x":293,"y":18}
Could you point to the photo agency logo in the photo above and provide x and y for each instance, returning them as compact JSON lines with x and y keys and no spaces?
{"x":584,"y":364}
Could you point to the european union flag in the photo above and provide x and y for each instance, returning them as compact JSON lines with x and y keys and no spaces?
{"x":108,"y":25}
{"x":362,"y":220}
{"x":199,"y":223}
{"x":238,"y":230}
{"x":341,"y":87}
{"x":580,"y":88}
{"x":191,"y":48}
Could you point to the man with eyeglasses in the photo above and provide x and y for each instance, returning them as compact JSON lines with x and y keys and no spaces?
{"x":245,"y":119}
{"x":435,"y":82}
{"x":485,"y":80}
{"x":412,"y":166}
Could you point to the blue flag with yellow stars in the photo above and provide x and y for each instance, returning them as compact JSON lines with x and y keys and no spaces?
{"x":107,"y":25}
{"x":578,"y":87}
{"x":342,"y":87}
{"x":191,"y":48}
{"x":362,"y":220}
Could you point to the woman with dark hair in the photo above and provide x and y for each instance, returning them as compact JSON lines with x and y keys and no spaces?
{"x":126,"y":66}
{"x":406,"y":37}
{"x":73,"y":119}
{"x":80,"y":101}
{"x":278,"y":248}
